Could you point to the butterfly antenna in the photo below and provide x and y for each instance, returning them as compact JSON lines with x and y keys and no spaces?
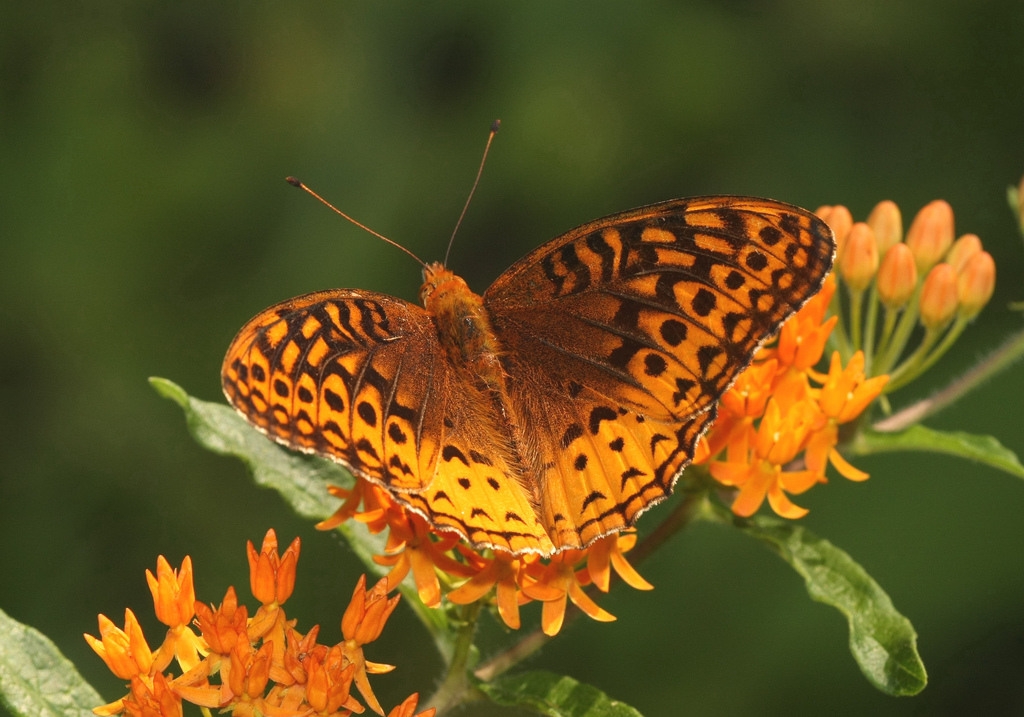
{"x":495,"y":126}
{"x":296,"y":183}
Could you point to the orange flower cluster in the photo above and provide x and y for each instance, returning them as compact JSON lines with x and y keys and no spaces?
{"x":780,"y":407}
{"x":246,"y":654}
{"x":414,"y":546}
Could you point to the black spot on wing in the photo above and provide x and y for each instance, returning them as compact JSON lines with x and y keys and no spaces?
{"x":449,"y":452}
{"x":595,"y":495}
{"x":571,"y":434}
{"x":598,"y":414}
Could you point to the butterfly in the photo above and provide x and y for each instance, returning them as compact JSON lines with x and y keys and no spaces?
{"x":563,"y":402}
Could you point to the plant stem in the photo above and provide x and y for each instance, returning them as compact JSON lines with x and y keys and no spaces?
{"x":870,"y":327}
{"x":456,"y":687}
{"x":999,"y":360}
{"x":856,"y":306}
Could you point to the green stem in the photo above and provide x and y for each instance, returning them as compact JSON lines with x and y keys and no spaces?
{"x":951,"y":336}
{"x":838,"y":337}
{"x":456,"y":687}
{"x":904,"y":327}
{"x":998,"y":361}
{"x":898,"y":376}
{"x":856,"y":309}
{"x":869,"y":329}
{"x":885,"y":338}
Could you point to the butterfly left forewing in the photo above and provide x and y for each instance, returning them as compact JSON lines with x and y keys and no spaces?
{"x":337,"y":373}
{"x":360,"y":378}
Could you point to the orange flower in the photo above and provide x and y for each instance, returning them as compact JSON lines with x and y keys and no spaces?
{"x":844,"y":396}
{"x":125,"y":651}
{"x":272,"y":577}
{"x":410,"y":546}
{"x":158,"y":700}
{"x":607,"y":553}
{"x":553,"y":584}
{"x":173,"y":593}
{"x":802,"y":338}
{"x":362,"y":623}
{"x":779,"y":438}
{"x":174,"y":600}
{"x":500,"y":572}
{"x":407,"y":708}
{"x":740,"y":407}
{"x":330,"y":681}
{"x":225,"y":626}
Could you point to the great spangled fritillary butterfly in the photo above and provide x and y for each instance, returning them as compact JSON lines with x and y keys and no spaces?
{"x":562,"y":403}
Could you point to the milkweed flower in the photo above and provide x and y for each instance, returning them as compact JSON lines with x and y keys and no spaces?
{"x":780,"y":436}
{"x":844,"y":395}
{"x":245,"y":668}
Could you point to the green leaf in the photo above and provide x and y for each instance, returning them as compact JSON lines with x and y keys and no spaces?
{"x":300,"y":479}
{"x":36,"y":680}
{"x":984,"y":449}
{"x":882,"y":641}
{"x":555,"y":695}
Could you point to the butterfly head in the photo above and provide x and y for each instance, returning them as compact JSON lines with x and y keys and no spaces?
{"x":440,"y":286}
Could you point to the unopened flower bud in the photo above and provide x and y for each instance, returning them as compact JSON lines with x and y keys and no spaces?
{"x":975,"y":283}
{"x":963,"y":249}
{"x":860,"y":257}
{"x":897,"y":276}
{"x":939,"y":296}
{"x":931,"y":234}
{"x":839,"y":221}
{"x":887,"y":222}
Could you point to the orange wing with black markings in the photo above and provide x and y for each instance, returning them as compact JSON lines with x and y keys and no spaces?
{"x":622,"y":334}
{"x":360,"y":378}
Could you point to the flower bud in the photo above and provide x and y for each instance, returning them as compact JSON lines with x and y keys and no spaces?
{"x":931,"y":234}
{"x":897,"y":276}
{"x":975,"y":283}
{"x":839,"y":221}
{"x":887,"y":222}
{"x":963,"y":249}
{"x":860,"y":257}
{"x":939,"y":297}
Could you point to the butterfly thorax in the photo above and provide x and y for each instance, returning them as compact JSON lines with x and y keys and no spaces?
{"x":463,"y":325}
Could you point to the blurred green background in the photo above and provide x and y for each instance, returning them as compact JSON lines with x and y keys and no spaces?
{"x":144,"y":218}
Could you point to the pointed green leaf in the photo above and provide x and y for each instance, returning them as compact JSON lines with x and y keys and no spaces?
{"x":882,"y":641}
{"x":984,"y":449}
{"x":554,"y":695}
{"x":36,"y":680}
{"x":300,"y":479}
